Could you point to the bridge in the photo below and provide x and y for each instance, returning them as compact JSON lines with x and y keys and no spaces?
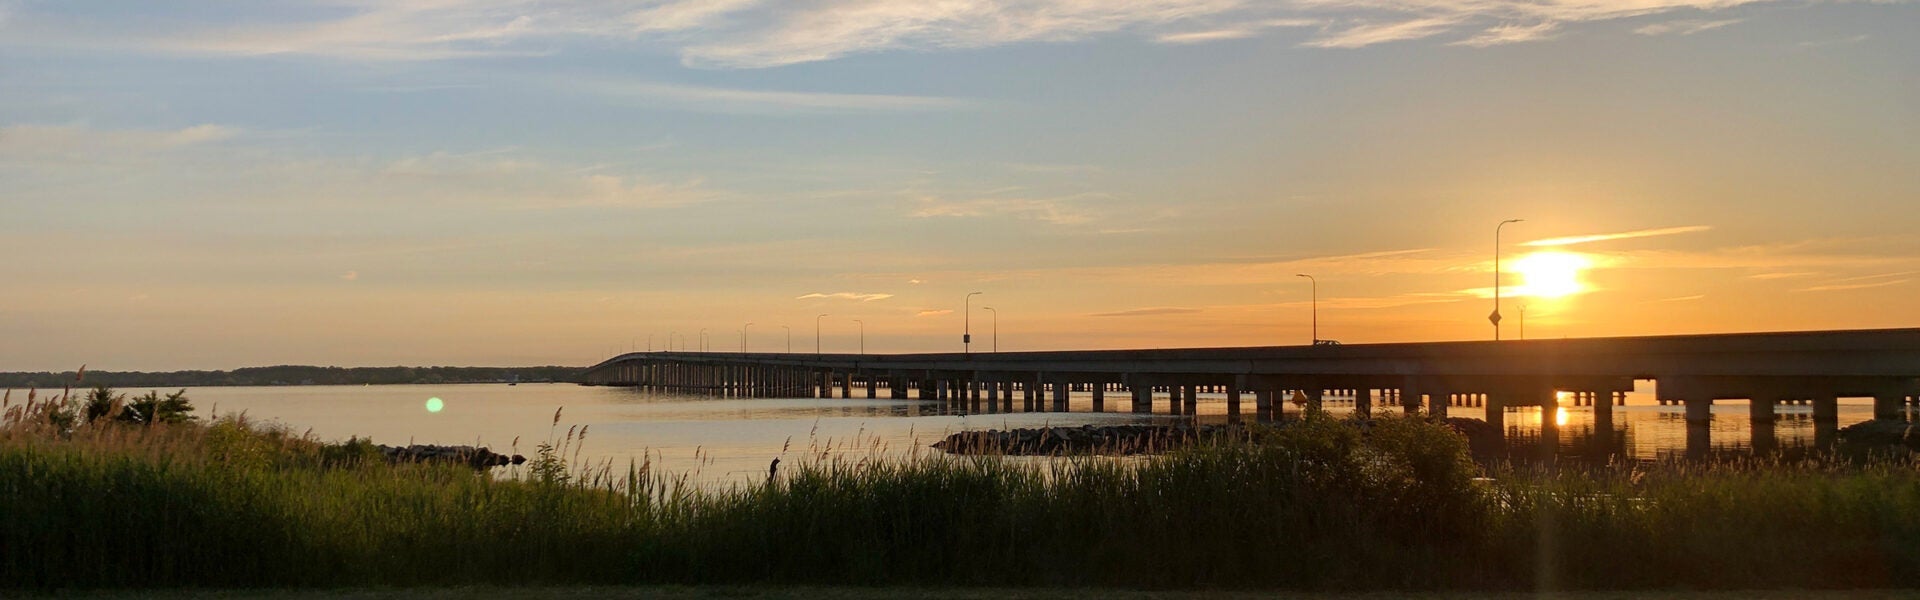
{"x":1767,"y":369}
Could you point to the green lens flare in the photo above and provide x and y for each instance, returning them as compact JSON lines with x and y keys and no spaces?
{"x":434,"y":405}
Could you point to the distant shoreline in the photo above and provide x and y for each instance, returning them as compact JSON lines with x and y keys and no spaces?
{"x":292,"y":375}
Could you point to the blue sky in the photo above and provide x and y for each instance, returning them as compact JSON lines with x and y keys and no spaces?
{"x":220,"y":184}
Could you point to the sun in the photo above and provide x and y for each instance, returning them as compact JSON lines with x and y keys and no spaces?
{"x":1551,"y":274}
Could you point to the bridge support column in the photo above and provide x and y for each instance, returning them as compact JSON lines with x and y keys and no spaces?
{"x":1409,"y":398}
{"x":1760,"y":407}
{"x":993,"y":396}
{"x":1887,"y":406}
{"x":873,"y":387}
{"x":1190,"y":399}
{"x":1497,"y":413}
{"x":1263,"y":401}
{"x":1316,"y":400}
{"x":1437,"y":402}
{"x":1233,"y":398}
{"x":1142,"y":397}
{"x":846,"y":385}
{"x":1363,"y":403}
{"x":1699,"y":410}
{"x":1826,"y":409}
{"x":1100,"y":397}
{"x":1061,"y":390}
{"x":1028,"y":390}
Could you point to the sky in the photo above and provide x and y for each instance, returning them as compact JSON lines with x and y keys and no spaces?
{"x":218,"y":184}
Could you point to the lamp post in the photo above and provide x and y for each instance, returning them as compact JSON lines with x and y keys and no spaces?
{"x":816,"y":333}
{"x":1523,"y":320}
{"x":863,"y":336}
{"x":670,"y":335}
{"x":966,"y":335}
{"x":649,"y":343}
{"x":743,"y":337}
{"x":789,"y":338}
{"x":1316,"y":305}
{"x":1495,"y":317}
{"x":703,"y":339}
{"x":996,"y":328}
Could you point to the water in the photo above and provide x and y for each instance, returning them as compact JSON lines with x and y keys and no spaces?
{"x":722,"y":440}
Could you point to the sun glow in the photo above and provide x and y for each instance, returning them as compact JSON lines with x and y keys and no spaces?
{"x":1551,"y":274}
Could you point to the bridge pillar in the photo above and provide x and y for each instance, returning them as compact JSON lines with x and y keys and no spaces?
{"x":1061,"y":389}
{"x":1190,"y":399}
{"x":1886,"y":405}
{"x":1699,"y":409}
{"x":1100,"y":397}
{"x":1760,"y":408}
{"x":1316,"y":400}
{"x":873,"y":387}
{"x":1233,"y":397}
{"x":1437,"y":402}
{"x":993,"y":396}
{"x":1497,"y":413}
{"x":1028,"y":389}
{"x":1409,"y":397}
{"x":1363,"y":403}
{"x":846,"y":385}
{"x":1142,"y":397}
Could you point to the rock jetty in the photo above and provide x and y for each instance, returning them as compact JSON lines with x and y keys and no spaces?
{"x":1086,"y":439}
{"x":1882,"y":432}
{"x":476,"y":457}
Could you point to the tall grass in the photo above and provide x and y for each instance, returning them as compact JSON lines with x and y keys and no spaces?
{"x":1316,"y":505}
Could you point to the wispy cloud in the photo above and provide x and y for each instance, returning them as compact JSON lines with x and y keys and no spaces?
{"x":734,"y":100}
{"x":81,"y":143}
{"x":1368,"y":34}
{"x":1059,"y":211}
{"x":1624,"y":235}
{"x":350,"y":276}
{"x":1854,"y":39}
{"x":854,"y":296}
{"x":1684,"y":27}
{"x":933,"y":313}
{"x":1835,"y":287}
{"x":1508,"y":33}
{"x":1149,"y":312}
{"x":768,"y":33}
{"x":1236,"y":32}
{"x":1683,"y":298}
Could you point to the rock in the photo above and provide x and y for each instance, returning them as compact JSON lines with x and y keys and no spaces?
{"x":1086,"y":439}
{"x":476,"y":457}
{"x":1882,"y":432}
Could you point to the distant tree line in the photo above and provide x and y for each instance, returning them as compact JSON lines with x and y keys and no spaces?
{"x":290,"y":375}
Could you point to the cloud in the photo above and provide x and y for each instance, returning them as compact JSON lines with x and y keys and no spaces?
{"x":1781,"y":275}
{"x":1852,"y":286}
{"x":1625,"y":235}
{"x":773,"y":33}
{"x":915,"y":281}
{"x":1684,"y":27}
{"x":1368,"y":34}
{"x":350,"y":276}
{"x":84,"y":144}
{"x":1232,"y":33}
{"x":733,"y":100}
{"x":933,"y":313}
{"x":1148,"y":312}
{"x":1683,"y":298}
{"x":1836,"y":42}
{"x":1058,"y":211}
{"x":1507,"y":33}
{"x":858,"y":297}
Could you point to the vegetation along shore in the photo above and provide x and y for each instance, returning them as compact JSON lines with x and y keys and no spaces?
{"x":102,"y":491}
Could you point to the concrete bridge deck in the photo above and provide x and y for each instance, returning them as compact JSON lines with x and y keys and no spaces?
{"x":1816,"y":367}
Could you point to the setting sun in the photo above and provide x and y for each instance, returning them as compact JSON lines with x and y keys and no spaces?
{"x":1551,"y":274}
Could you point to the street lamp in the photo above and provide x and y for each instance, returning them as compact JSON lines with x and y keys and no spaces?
{"x":996,"y":328}
{"x":816,"y":333}
{"x":1316,"y":305}
{"x":966,"y":337}
{"x":863,"y":336}
{"x":743,"y":337}
{"x":1495,"y":317}
{"x":703,"y":339}
{"x":789,"y":338}
{"x":1523,"y":320}
{"x":670,"y":335}
{"x":649,"y":343}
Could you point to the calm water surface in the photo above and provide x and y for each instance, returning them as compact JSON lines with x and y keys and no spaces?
{"x":721,"y":440}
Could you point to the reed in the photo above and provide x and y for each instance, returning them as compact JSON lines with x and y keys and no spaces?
{"x":1317,"y":505}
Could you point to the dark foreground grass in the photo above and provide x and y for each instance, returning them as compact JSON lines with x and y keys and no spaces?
{"x":846,"y":593}
{"x":1315,"y":506}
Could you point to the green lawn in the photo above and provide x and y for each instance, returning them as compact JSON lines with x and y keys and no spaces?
{"x":842,"y":593}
